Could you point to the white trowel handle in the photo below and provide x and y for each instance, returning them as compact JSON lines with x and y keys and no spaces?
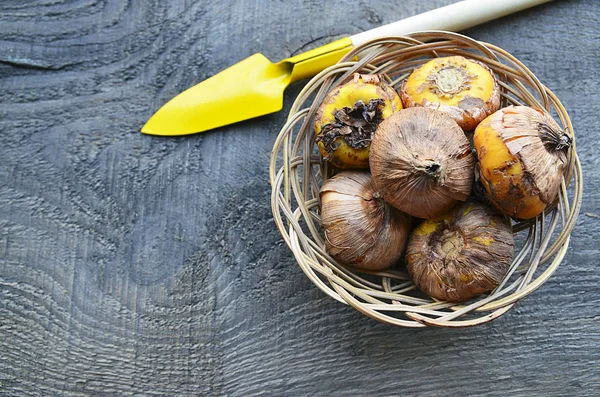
{"x":454,"y":17}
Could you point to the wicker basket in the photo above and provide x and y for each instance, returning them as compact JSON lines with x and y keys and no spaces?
{"x":297,"y":172}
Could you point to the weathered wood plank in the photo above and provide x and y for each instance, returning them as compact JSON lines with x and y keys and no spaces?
{"x":137,"y":265}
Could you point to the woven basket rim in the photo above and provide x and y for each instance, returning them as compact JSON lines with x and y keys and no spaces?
{"x":296,"y":170}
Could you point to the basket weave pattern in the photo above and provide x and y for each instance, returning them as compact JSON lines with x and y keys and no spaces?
{"x":297,"y":173}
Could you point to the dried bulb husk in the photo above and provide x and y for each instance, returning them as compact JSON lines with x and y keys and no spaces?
{"x":348,"y":117}
{"x":522,"y":156}
{"x":422,"y":162}
{"x":463,"y":88}
{"x":360,"y":228}
{"x":462,"y":254}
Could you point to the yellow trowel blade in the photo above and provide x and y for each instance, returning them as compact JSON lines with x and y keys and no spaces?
{"x":250,"y":88}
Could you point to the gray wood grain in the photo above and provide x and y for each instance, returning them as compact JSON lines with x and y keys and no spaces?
{"x":139,"y":265}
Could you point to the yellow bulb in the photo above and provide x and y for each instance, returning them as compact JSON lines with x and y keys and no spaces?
{"x":346,"y":143}
{"x":502,"y":175}
{"x":463,"y":88}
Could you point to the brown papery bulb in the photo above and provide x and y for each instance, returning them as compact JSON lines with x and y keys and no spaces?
{"x":462,"y":254}
{"x":421,"y":161}
{"x":360,"y":228}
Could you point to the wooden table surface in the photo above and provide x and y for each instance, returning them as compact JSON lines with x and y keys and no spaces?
{"x":141,"y":265}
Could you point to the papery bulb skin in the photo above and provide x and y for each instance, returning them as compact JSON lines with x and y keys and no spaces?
{"x":360,"y":228}
{"x":462,"y":254}
{"x":422,"y":162}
